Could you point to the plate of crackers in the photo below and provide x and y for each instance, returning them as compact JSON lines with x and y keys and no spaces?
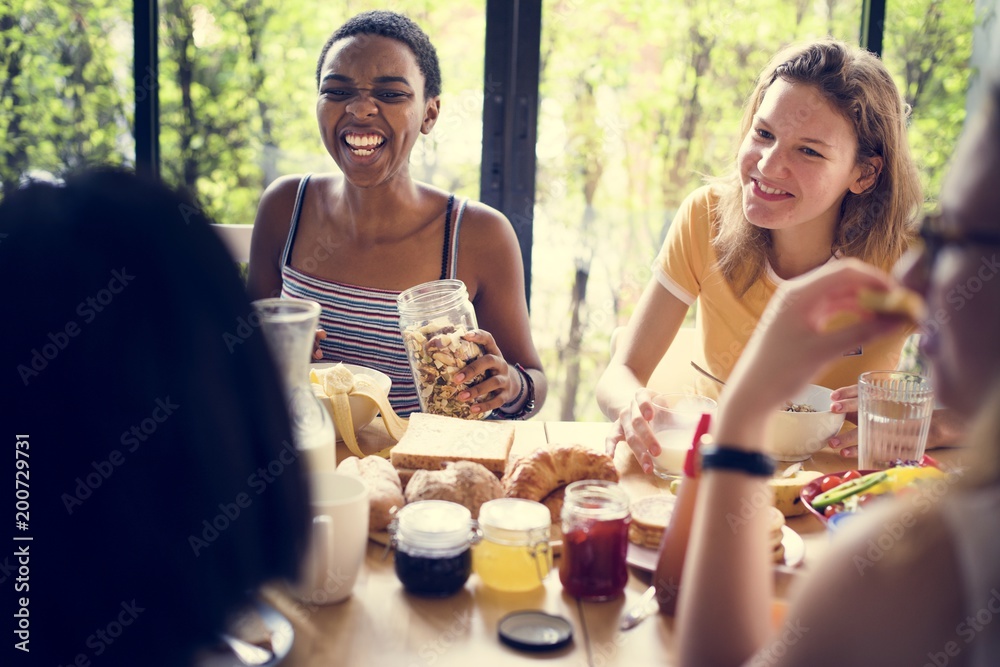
{"x":651,"y":515}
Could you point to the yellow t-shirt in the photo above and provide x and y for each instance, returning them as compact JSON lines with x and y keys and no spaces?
{"x":688,"y":268}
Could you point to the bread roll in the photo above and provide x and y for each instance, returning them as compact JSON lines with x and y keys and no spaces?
{"x":385,"y":492}
{"x":463,"y":482}
{"x":546,"y":469}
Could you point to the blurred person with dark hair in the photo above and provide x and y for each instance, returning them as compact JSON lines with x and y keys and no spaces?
{"x":160,"y":483}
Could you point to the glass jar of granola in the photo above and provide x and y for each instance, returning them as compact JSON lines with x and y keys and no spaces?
{"x":433,"y":318}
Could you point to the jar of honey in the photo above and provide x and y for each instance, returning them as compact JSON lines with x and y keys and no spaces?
{"x":433,"y":541}
{"x":514,"y":552}
{"x":595,"y":518}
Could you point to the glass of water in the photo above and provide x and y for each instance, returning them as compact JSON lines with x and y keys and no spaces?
{"x":894,"y":417}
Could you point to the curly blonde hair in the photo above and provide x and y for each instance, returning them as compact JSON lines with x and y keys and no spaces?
{"x":875,"y":226}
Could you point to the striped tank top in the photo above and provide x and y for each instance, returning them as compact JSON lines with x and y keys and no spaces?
{"x":362,"y":323}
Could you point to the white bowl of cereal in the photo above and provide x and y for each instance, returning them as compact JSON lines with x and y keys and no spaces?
{"x":803,"y":427}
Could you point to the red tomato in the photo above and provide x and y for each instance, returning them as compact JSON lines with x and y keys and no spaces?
{"x":849,"y":475}
{"x":926,"y":461}
{"x":829,"y":482}
{"x":833,"y":509}
{"x":866,"y":498}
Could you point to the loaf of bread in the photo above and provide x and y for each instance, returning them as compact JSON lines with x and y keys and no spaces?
{"x":463,"y":482}
{"x":432,"y":440}
{"x":547,"y":468}
{"x":385,"y":492}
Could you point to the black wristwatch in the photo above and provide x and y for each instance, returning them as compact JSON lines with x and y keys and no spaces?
{"x":720,"y":457}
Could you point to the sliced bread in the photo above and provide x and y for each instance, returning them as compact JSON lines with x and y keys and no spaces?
{"x":432,"y":440}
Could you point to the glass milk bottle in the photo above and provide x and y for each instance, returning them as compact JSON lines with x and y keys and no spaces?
{"x":433,"y":318}
{"x":289,"y":326}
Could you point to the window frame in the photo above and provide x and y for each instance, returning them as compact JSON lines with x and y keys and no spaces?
{"x":510,"y":107}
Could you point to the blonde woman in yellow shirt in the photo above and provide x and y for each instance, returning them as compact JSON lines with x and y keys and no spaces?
{"x":824,"y":172}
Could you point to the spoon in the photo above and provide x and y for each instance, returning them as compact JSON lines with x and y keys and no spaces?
{"x":707,"y":374}
{"x":640,"y":611}
{"x":248,"y":654}
{"x":788,"y":404}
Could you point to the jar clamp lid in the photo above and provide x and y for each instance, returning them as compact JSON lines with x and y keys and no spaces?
{"x":515,"y":521}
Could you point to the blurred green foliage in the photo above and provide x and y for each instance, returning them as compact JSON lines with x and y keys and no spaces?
{"x":639,"y":102}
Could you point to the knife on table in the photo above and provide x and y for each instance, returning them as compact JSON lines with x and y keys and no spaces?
{"x":645,"y":607}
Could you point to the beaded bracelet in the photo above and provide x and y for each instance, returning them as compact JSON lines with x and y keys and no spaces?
{"x":529,"y":404}
{"x":520,"y":392}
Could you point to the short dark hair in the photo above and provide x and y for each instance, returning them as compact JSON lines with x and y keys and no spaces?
{"x":394,"y":26}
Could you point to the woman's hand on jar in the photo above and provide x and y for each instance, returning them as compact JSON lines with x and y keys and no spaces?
{"x":632,"y":427}
{"x":317,"y":351}
{"x":845,"y":401}
{"x":501,"y":382}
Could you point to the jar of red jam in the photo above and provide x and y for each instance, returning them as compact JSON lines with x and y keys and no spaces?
{"x":433,"y":541}
{"x":595,"y":519}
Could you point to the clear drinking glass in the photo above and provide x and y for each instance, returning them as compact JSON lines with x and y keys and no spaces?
{"x":894,"y":416}
{"x":675,"y":418}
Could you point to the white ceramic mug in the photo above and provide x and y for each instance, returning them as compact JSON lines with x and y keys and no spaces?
{"x":338,"y":539}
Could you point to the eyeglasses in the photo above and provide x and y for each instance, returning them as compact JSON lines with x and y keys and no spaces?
{"x":935,"y":239}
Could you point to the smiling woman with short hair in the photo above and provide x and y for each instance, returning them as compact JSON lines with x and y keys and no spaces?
{"x":354,"y":241}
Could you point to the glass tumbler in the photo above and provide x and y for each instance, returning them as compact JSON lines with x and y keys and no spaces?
{"x":894,"y":417}
{"x":675,"y":419}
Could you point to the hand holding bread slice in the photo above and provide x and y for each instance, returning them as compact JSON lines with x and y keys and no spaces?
{"x":897,"y":301}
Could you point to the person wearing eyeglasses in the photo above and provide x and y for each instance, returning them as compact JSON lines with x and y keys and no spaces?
{"x":932,"y":595}
{"x":823,"y":173}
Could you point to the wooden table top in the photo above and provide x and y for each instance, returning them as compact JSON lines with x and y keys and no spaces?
{"x":380,"y":624}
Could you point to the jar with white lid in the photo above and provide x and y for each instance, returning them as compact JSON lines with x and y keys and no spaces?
{"x":433,"y":541}
{"x":433,"y":318}
{"x":514,"y":553}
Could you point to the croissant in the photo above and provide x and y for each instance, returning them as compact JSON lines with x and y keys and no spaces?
{"x":546,"y":469}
